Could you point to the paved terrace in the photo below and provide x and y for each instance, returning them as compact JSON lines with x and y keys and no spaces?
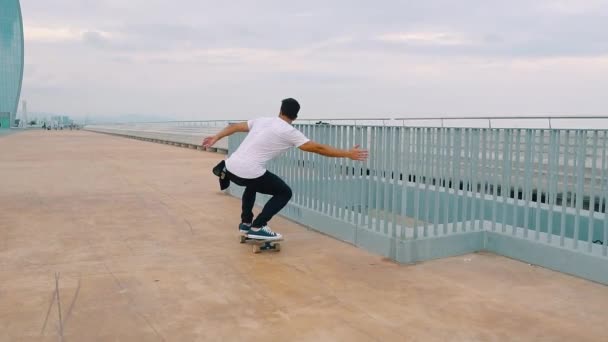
{"x":109,"y":239}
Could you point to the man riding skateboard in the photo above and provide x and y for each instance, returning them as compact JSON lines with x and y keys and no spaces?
{"x":267,"y":138}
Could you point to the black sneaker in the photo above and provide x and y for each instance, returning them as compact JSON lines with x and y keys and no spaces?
{"x":244,"y":228}
{"x":263,"y":233}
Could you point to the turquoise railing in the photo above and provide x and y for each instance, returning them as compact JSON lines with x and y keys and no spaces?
{"x":534,"y":188}
{"x":187,"y":133}
{"x":429,"y":192}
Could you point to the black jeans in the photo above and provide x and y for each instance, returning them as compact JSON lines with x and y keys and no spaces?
{"x":269,"y":184}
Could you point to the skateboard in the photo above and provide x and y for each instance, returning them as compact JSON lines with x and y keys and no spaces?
{"x":261,"y":245}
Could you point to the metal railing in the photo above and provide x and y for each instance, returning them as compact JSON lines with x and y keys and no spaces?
{"x":557,"y":122}
{"x":189,"y":133}
{"x":452,"y":179}
{"x":531,"y":121}
{"x":534,"y":189}
{"x":545,"y":186}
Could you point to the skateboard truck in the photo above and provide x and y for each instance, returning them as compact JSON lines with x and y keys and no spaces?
{"x":259,"y":245}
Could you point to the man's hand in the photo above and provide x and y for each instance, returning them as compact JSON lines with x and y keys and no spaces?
{"x":229,"y":130}
{"x":356,"y":154}
{"x":209,"y":141}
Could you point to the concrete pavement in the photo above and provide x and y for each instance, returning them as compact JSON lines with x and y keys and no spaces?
{"x":109,"y":239}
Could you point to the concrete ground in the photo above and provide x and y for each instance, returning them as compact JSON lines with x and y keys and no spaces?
{"x":109,"y":239}
{"x":4,"y":131}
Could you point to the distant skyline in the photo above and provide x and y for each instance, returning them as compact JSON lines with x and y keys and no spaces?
{"x":185,"y":59}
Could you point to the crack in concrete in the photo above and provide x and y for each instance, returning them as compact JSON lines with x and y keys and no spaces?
{"x":73,"y":303}
{"x":57,"y":275}
{"x":48,"y":313}
{"x":189,"y":225}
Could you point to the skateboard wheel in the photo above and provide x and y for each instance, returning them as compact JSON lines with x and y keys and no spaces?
{"x":256,"y":249}
{"x":243,"y":238}
{"x":277,"y":247}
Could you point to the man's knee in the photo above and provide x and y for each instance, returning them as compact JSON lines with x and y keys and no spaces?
{"x":287,"y":193}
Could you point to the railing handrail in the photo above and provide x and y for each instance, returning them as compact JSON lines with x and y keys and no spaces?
{"x":403,"y":120}
{"x":464,"y":118}
{"x":418,"y":118}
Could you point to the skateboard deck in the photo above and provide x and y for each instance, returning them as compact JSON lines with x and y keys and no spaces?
{"x":260,"y":245}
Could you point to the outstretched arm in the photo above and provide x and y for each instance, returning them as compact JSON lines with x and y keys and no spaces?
{"x":229,"y":130}
{"x":354,"y":153}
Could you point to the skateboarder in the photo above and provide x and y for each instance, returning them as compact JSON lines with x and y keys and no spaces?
{"x":267,"y":138}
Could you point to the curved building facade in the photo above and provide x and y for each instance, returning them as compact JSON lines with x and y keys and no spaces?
{"x":11,"y":60}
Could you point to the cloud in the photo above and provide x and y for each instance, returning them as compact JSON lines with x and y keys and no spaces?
{"x":50,"y":34}
{"x":207,"y":59}
{"x":573,"y":7}
{"x":96,"y":38}
{"x":438,"y":38}
{"x":34,"y":34}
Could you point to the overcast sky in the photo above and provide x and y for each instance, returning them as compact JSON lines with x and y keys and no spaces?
{"x":186,"y":59}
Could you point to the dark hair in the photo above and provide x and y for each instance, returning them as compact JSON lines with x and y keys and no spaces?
{"x":290,"y":108}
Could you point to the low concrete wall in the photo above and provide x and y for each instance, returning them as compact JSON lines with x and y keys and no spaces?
{"x":175,"y":140}
{"x":591,"y":265}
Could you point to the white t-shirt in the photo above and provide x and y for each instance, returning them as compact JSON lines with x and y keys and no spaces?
{"x":267,"y":138}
